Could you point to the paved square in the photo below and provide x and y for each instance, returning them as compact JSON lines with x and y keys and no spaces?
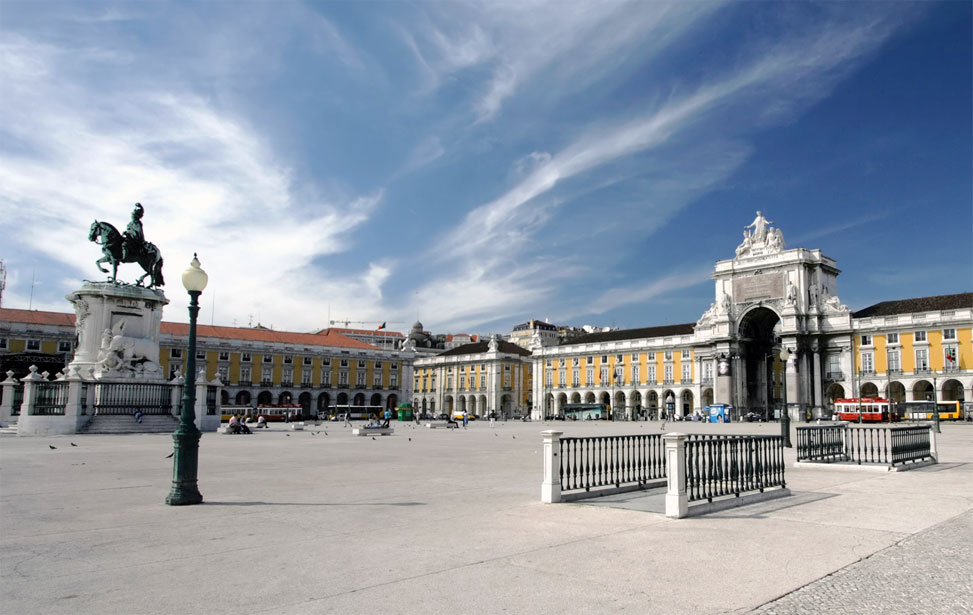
{"x":432,"y":521}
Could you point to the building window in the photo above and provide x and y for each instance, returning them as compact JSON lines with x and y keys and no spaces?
{"x":223,"y":373}
{"x":650,"y":374}
{"x":685,"y":354}
{"x":326,"y":361}
{"x":635,"y":373}
{"x":33,"y":345}
{"x":305,"y":376}
{"x":245,"y":374}
{"x":449,"y":383}
{"x":635,"y":357}
{"x":576,"y":378}
{"x":342,"y":378}
{"x":326,"y":377}
{"x":549,"y":377}
{"x":894,"y":362}
{"x":174,"y":353}
{"x":834,"y":365}
{"x":64,"y":346}
{"x":224,"y":355}
{"x":268,"y":358}
{"x":245,"y":357}
{"x":920,"y":336}
{"x":866,"y":340}
{"x":604,"y":358}
{"x":668,"y":355}
{"x":3,"y":343}
{"x":288,"y":360}
{"x":950,"y":358}
{"x":449,"y":370}
{"x":344,"y":363}
{"x":574,"y":361}
{"x":922,"y":360}
{"x":361,"y":363}
{"x":173,"y":370}
{"x":949,"y":334}
{"x":394,"y":366}
{"x":668,"y":374}
{"x":394,"y":381}
{"x":686,"y":372}
{"x":708,"y":371}
{"x":267,"y":375}
{"x":589,"y":360}
{"x":868,"y":363}
{"x":892,"y":338}
{"x":619,"y":358}
{"x":200,"y":355}
{"x":589,"y":376}
{"x":604,"y":375}
{"x":377,"y":380}
{"x":307,"y":360}
{"x":549,"y":363}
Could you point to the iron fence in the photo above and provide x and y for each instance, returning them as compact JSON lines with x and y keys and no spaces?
{"x":719,"y":466}
{"x":611,"y":461}
{"x":112,"y":398}
{"x":821,"y":443}
{"x":52,"y":398}
{"x":881,"y":445}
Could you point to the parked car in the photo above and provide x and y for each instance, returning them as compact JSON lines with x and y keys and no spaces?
{"x":442,"y":416}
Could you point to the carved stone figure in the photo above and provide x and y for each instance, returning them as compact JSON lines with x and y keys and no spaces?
{"x":833,"y":304}
{"x":131,"y":354}
{"x":725,"y":302}
{"x":81,"y":311}
{"x":493,"y":345}
{"x":759,"y":226}
{"x":127,"y":247}
{"x":791,"y":293}
{"x":812,"y":295}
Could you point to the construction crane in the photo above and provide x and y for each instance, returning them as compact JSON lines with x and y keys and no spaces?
{"x":347,"y":322}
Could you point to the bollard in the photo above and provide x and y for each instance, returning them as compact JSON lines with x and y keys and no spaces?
{"x":551,"y":487}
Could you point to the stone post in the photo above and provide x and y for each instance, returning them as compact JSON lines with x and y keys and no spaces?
{"x":933,"y":452}
{"x":27,"y":426}
{"x":204,"y":420}
{"x":677,"y":500}
{"x":7,"y":402}
{"x":72,"y":409}
{"x":177,"y":383}
{"x":551,"y":487}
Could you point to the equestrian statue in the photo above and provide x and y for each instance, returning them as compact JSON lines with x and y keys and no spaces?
{"x":128,"y":247}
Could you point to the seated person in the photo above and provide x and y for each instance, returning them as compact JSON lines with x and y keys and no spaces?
{"x":244,"y":427}
{"x":261,"y":421}
{"x":234,"y":425}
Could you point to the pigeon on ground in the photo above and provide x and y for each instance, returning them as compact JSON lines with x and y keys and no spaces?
{"x":410,"y":439}
{"x":373,"y":437}
{"x":313,"y":434}
{"x":325,"y":433}
{"x":169,"y":456}
{"x":52,"y":447}
{"x":73,"y":444}
{"x":514,"y":437}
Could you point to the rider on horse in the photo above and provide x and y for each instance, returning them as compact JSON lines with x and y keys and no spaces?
{"x":133,"y":239}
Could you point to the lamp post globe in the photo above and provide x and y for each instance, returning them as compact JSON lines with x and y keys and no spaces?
{"x":785,"y":417}
{"x":185,"y":462}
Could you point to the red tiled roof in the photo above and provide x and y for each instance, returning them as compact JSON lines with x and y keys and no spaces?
{"x":382,"y":332}
{"x":33,"y":317}
{"x":327,"y":338}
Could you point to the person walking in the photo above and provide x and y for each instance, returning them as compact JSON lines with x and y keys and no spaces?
{"x":347,"y":418}
{"x":466,"y":419}
{"x":493,"y":418}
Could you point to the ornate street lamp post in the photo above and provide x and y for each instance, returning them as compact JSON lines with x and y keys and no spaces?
{"x":186,"y":437}
{"x":935,"y":405}
{"x":785,"y":417}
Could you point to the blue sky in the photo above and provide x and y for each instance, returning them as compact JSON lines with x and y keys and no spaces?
{"x":479,"y":164}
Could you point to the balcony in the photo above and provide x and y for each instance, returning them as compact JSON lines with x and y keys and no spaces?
{"x":708,"y":381}
{"x":834,"y":376}
{"x":266,"y":383}
{"x":922,"y":370}
{"x":895,"y":372}
{"x":668,"y":381}
{"x":689,"y":381}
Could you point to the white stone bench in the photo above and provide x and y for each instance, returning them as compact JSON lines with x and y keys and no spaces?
{"x":372,"y":431}
{"x":297,"y":426}
{"x":443,"y":426}
{"x":225,"y":429}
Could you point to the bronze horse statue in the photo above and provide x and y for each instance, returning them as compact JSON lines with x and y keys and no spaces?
{"x":146,"y":255}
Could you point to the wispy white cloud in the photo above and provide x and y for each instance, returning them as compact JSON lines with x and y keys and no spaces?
{"x":208,"y":181}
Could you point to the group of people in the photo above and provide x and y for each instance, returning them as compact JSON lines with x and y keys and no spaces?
{"x":241,"y":424}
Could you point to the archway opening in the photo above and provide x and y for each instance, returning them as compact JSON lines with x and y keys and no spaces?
{"x":758,"y":334}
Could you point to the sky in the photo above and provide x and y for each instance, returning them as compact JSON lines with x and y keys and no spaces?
{"x":478,"y":164}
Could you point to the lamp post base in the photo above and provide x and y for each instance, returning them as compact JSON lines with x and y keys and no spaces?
{"x":184,"y":488}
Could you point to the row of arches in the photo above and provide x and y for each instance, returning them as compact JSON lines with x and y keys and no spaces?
{"x":682,"y":402}
{"x":895,"y":391}
{"x":306,"y":400}
{"x":475,"y":405}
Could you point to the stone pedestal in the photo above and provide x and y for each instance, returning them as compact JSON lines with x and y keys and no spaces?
{"x":118,"y":331}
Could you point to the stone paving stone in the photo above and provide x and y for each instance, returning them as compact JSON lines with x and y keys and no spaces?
{"x":928,"y":573}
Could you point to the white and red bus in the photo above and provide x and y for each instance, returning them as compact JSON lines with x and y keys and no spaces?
{"x":872,"y":409}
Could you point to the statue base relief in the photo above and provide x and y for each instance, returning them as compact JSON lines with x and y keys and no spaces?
{"x":117,"y":328}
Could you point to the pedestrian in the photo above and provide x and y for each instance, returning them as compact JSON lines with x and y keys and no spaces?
{"x":493,"y":418}
{"x":138,"y":416}
{"x":466,"y":419}
{"x":347,"y":418}
{"x":261,"y":421}
{"x":388,"y":417}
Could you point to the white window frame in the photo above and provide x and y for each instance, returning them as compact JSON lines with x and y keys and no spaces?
{"x":920,"y":336}
{"x":892,"y":338}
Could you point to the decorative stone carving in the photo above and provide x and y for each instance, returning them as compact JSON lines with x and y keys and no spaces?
{"x":791,"y":293}
{"x":763,"y":240}
{"x":493,"y":344}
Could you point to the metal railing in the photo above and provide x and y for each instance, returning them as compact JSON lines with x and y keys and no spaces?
{"x":610,"y":461}
{"x":881,"y":445}
{"x":52,"y":397}
{"x":112,"y":398}
{"x":821,"y":443}
{"x":719,"y":466}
